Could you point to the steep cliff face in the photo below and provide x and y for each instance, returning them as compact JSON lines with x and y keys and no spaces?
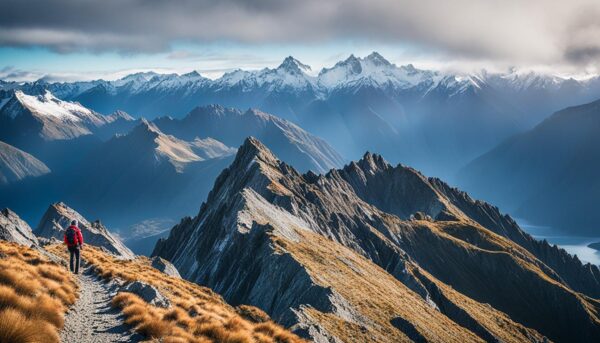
{"x":339,"y":257}
{"x":58,"y":217}
{"x":14,"y":229}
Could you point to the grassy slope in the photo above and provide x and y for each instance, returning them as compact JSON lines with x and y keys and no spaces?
{"x":197,"y":314}
{"x":35,"y":293}
{"x":381,"y":298}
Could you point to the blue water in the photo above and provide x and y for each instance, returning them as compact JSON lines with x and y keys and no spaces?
{"x":576,"y":245}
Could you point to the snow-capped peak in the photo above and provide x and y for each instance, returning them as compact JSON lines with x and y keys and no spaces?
{"x":141,"y":76}
{"x":373,"y":70}
{"x":292,"y":65}
{"x":290,"y":74}
{"x":520,"y":80}
{"x":192,"y":74}
{"x":47,"y":105}
{"x":377,"y":59}
{"x":137,"y":80}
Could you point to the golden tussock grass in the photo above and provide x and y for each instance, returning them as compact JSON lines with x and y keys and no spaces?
{"x":197,"y":314}
{"x":353,"y":277}
{"x":34,"y":295}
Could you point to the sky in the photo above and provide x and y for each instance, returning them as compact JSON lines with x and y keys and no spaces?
{"x":87,"y":39}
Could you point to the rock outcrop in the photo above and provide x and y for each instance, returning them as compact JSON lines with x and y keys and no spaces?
{"x":58,"y":217}
{"x":336,"y":257}
{"x":14,"y":229}
{"x":164,"y":266}
{"x":148,"y":293}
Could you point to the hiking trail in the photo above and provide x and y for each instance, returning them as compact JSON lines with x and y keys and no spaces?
{"x":92,"y":319}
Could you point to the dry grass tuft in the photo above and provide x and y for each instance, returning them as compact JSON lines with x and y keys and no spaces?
{"x":34,"y":295}
{"x":18,"y":328}
{"x":197,"y":314}
{"x":253,"y":314}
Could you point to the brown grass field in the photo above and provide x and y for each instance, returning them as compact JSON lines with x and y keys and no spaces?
{"x":35,"y":293}
{"x":197,"y":313}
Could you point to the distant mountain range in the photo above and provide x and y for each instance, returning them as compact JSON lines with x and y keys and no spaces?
{"x":548,"y":175}
{"x":24,"y":118}
{"x":125,"y":170}
{"x":373,"y":252}
{"x":232,"y":126}
{"x":434,"y":121}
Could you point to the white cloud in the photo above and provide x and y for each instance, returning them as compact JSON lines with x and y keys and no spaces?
{"x":507,"y":31}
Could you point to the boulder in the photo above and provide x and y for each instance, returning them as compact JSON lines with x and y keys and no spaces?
{"x":420,"y":216}
{"x":148,"y":293}
{"x":165,"y":266}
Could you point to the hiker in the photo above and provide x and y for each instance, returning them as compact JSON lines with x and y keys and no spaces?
{"x":74,"y":242}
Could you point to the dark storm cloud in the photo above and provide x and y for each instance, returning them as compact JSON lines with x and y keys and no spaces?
{"x":511,"y":30}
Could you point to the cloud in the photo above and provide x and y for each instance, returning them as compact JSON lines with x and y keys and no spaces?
{"x":10,"y":73}
{"x":515,"y":31}
{"x":183,"y":55}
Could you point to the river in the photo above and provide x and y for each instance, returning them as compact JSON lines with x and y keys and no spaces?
{"x":576,"y":245}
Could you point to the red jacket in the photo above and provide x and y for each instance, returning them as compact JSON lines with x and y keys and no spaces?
{"x":78,"y":237}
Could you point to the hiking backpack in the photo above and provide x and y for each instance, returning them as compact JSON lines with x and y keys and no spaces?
{"x":71,"y":236}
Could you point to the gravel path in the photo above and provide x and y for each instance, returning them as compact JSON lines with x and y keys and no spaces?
{"x":92,"y":319}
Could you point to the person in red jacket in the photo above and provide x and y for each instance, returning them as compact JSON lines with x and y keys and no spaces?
{"x":74,"y":242}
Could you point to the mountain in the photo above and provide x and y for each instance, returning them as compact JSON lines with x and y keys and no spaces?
{"x":408,"y":114}
{"x":14,"y":229}
{"x":57,"y":132}
{"x":16,"y":165}
{"x":147,"y":172}
{"x":48,"y":117}
{"x":374,"y":70}
{"x":378,"y":253}
{"x":119,"y":122}
{"x":541,"y":94}
{"x":231,"y":126}
{"x":548,"y":174}
{"x":59,"y":216}
{"x":157,"y":169}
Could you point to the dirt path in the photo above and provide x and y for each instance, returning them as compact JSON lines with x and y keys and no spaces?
{"x":91,"y":319}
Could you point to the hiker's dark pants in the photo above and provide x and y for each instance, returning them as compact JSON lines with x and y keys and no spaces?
{"x":74,"y":255}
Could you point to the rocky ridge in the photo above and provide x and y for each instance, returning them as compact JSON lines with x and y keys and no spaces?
{"x":304,"y":247}
{"x":14,"y":229}
{"x":59,"y":216}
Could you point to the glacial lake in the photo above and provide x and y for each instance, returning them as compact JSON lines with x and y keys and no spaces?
{"x":575,"y":245}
